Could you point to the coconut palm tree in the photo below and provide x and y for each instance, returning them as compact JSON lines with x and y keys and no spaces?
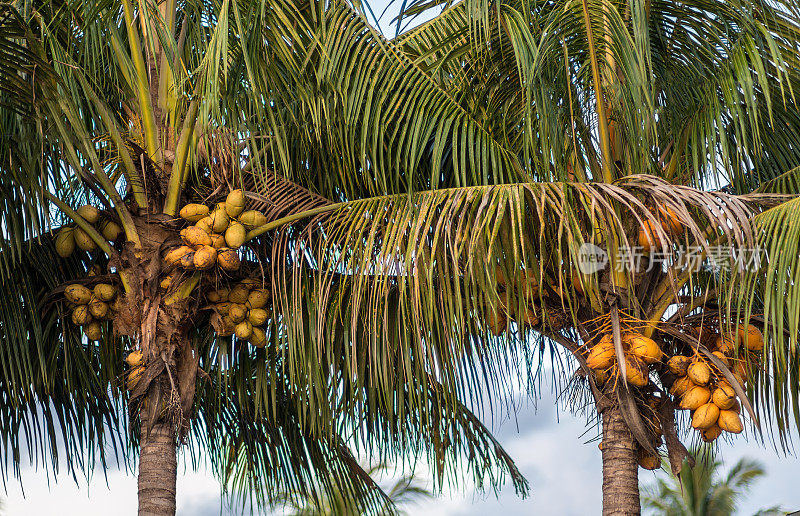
{"x":705,"y":490}
{"x":404,"y":491}
{"x":425,"y":216}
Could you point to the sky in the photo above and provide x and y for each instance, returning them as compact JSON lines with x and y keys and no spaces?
{"x":549,"y":447}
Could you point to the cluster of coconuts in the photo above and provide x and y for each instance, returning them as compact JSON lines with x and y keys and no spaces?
{"x":216,"y":235}
{"x":69,"y":236}
{"x":703,"y":389}
{"x":640,"y":353}
{"x":90,"y":307}
{"x":649,"y":239}
{"x":135,"y":361}
{"x":243,"y":311}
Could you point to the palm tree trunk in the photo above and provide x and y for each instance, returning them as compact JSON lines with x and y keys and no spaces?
{"x":157,"y":470}
{"x":620,"y":468}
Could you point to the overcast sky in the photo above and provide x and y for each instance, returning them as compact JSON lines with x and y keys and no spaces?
{"x":548,"y":447}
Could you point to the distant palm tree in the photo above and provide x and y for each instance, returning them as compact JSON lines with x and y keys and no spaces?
{"x":404,"y":491}
{"x":705,"y":490}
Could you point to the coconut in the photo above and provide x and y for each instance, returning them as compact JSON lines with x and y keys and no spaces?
{"x":133,"y":377}
{"x":90,"y":213}
{"x":243,"y":330}
{"x":194,"y":212}
{"x":724,"y":396}
{"x":227,"y":327}
{"x":93,"y":331}
{"x":237,"y":312}
{"x":104,"y":292}
{"x":228,"y":259}
{"x":83,"y":240}
{"x":678,"y":365}
{"x":258,"y":298}
{"x":496,"y":322}
{"x":705,"y":417}
{"x":726,"y":344}
{"x":111,"y":230}
{"x":223,"y":308}
{"x":710,"y":434}
{"x":175,"y":255}
{"x":239,"y":294}
{"x":65,"y":242}
{"x":602,"y":355}
{"x":695,"y":398}
{"x":643,"y":348}
{"x":729,"y":421}
{"x":257,"y":316}
{"x":195,"y":237}
{"x":81,"y":315}
{"x":722,"y":357}
{"x":251,"y":283}
{"x":646,"y":460}
{"x":750,"y":337}
{"x":699,"y":372}
{"x":204,"y":224}
{"x":681,"y":385}
{"x":252,"y":219}
{"x":219,"y":220}
{"x":205,"y":258}
{"x":187,"y":260}
{"x":636,"y":372}
{"x":669,"y":221}
{"x":601,"y":376}
{"x":217,"y":241}
{"x":234,"y":203}
{"x":258,"y":338}
{"x":78,"y":294}
{"x":648,"y":237}
{"x":235,"y":235}
{"x":98,"y":309}
{"x":134,"y":358}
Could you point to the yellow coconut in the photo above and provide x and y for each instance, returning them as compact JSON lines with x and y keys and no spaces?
{"x":258,"y":338}
{"x":84,"y":241}
{"x":252,"y":219}
{"x":669,"y":221}
{"x":695,"y":398}
{"x":647,"y":461}
{"x":93,"y":331}
{"x":205,"y":225}
{"x":134,"y":358}
{"x":227,"y":327}
{"x":257,"y":316}
{"x":636,"y":371}
{"x":228,"y":259}
{"x":175,"y":255}
{"x":243,"y":330}
{"x":237,"y":312}
{"x":750,"y":337}
{"x":90,"y":213}
{"x":195,"y":237}
{"x":187,"y":261}
{"x":81,"y":315}
{"x":679,"y":365}
{"x":194,"y":212}
{"x":705,"y":417}
{"x":234,"y":203}
{"x":726,"y":344}
{"x":98,"y":309}
{"x":258,"y":298}
{"x":217,"y":241}
{"x":223,"y":308}
{"x":722,"y":357}
{"x":699,"y":372}
{"x":646,"y":350}
{"x":65,"y":241}
{"x":219,"y":220}
{"x":235,"y":235}
{"x":648,"y":237}
{"x":724,"y":396}
{"x":239,"y":294}
{"x":602,"y":354}
{"x":104,"y":292}
{"x":680,"y":386}
{"x":205,"y":258}
{"x":730,"y":422}
{"x":111,"y":231}
{"x":133,"y":377}
{"x":710,"y":434}
{"x":78,"y":294}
